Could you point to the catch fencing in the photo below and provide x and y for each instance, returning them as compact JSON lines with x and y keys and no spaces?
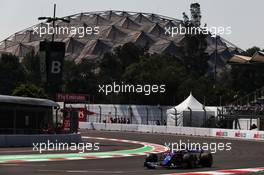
{"x":135,"y":114}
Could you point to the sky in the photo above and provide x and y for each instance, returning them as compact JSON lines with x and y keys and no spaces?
{"x":245,"y":17}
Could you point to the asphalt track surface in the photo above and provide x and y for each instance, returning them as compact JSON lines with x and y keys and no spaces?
{"x":244,"y":154}
{"x":104,"y":146}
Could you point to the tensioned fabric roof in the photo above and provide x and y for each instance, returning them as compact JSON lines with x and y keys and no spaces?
{"x":191,"y":103}
{"x":115,"y":29}
{"x":27,"y":101}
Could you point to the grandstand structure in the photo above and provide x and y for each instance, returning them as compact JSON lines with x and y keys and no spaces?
{"x":115,"y":29}
{"x":248,"y":108}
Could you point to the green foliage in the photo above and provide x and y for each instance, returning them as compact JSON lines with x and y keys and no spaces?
{"x":247,"y":78}
{"x":195,"y":58}
{"x":29,"y":90}
{"x":110,"y":68}
{"x":250,"y":52}
{"x":128,"y":54}
{"x":113,"y":65}
{"x":131,"y":65}
{"x":158,"y":70}
{"x":79,"y":78}
{"x":32,"y":67}
{"x":11,"y":73}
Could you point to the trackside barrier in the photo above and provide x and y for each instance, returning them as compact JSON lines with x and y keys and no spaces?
{"x":202,"y":132}
{"x":116,"y":127}
{"x":213,"y":132}
{"x":86,"y":125}
{"x":145,"y":128}
{"x":174,"y":130}
{"x":159,"y":129}
{"x":101,"y":126}
{"x":130,"y":127}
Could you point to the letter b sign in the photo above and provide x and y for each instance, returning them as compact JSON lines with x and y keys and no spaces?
{"x":53,"y":60}
{"x":56,"y":67}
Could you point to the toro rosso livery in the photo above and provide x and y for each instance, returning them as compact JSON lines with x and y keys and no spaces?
{"x":179,"y":159}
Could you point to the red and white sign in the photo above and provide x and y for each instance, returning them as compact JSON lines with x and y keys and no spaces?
{"x":82,"y":113}
{"x":65,"y":97}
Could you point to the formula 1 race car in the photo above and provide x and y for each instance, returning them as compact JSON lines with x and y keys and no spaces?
{"x":179,"y":159}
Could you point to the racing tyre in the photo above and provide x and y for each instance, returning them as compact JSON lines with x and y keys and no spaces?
{"x":189,"y":161}
{"x":151,"y":158}
{"x":206,"y":160}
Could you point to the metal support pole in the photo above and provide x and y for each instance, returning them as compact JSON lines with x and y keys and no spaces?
{"x":205,"y":117}
{"x":14,"y":122}
{"x":190,"y":116}
{"x":115,"y":111}
{"x":250,"y":123}
{"x":176,"y":118}
{"x":53,"y":22}
{"x":147,"y":115}
{"x":161,"y":116}
{"x":100,"y":114}
{"x":131,"y":114}
{"x":215,"y":66}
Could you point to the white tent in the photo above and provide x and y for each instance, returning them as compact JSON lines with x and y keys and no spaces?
{"x":188,"y":113}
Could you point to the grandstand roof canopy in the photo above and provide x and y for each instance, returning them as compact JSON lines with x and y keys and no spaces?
{"x":258,"y":56}
{"x":240,"y":59}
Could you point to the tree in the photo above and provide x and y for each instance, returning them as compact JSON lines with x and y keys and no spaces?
{"x":11,"y":73}
{"x":250,"y":52}
{"x":32,"y":67}
{"x":195,"y":58}
{"x":128,"y":53}
{"x":247,"y":77}
{"x":110,"y":68}
{"x":155,"y":70}
{"x":29,"y":90}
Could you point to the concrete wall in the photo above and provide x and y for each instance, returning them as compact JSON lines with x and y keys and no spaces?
{"x":194,"y":131}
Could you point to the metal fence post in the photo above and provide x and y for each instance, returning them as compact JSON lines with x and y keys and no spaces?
{"x":130,"y":113}
{"x":115,"y":111}
{"x":205,"y":117}
{"x":100,"y":114}
{"x":161,"y":116}
{"x":176,"y":118}
{"x":147,"y":115}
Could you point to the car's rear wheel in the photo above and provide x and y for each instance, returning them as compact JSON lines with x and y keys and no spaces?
{"x":189,"y":161}
{"x":206,"y":159}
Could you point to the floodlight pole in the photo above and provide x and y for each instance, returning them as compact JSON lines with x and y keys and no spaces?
{"x":53,"y":22}
{"x":215,"y":61}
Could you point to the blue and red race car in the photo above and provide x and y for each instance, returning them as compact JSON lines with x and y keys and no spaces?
{"x":179,"y":159}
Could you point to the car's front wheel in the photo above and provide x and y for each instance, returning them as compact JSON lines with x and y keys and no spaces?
{"x":150,"y":159}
